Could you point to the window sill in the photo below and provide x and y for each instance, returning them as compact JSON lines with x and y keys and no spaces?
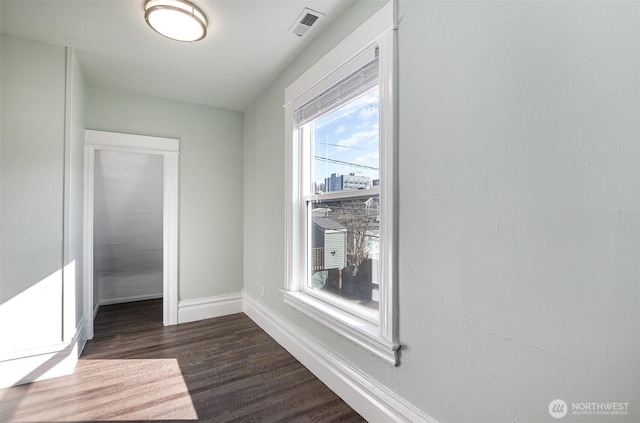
{"x":360,"y":331}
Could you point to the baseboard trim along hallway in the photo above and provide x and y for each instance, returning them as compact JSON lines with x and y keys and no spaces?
{"x":370,"y":399}
{"x":209,"y":307}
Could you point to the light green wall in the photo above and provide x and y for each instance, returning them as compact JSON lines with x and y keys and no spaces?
{"x":0,"y":152}
{"x":33,"y":110}
{"x":210,"y":185}
{"x":519,"y":124}
{"x":519,"y":206}
{"x":33,"y":86}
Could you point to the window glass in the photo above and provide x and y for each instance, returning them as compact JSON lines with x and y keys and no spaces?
{"x":343,"y":148}
{"x":345,"y":246}
{"x":346,"y":145}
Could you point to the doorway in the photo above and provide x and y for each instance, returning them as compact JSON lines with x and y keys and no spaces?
{"x":131,"y":201}
{"x":127,"y":226}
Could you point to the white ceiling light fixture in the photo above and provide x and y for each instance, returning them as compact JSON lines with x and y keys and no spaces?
{"x":176,"y":19}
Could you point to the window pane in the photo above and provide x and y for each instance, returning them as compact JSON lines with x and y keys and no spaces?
{"x":345,"y":238}
{"x":345,"y":146}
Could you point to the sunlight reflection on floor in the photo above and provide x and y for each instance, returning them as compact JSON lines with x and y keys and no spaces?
{"x":99,"y":390}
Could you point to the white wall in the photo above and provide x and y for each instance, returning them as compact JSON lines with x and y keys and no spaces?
{"x":128,"y":195}
{"x":519,"y":207}
{"x":210,"y":181}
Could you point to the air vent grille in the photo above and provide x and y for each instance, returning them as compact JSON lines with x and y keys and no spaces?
{"x":305,"y":21}
{"x":309,"y":19}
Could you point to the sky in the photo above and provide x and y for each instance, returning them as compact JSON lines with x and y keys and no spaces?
{"x":347,"y":139}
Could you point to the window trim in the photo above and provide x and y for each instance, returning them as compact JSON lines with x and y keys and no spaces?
{"x":343,"y":194}
{"x":382,"y":338}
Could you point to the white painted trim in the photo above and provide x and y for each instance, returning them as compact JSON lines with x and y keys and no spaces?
{"x":207,"y":308}
{"x":95,"y":313}
{"x":346,"y":194}
{"x":294,"y":210}
{"x":44,"y":363}
{"x":356,"y":329}
{"x":388,"y":188}
{"x":170,"y":240}
{"x":121,"y":141}
{"x":168,"y":148}
{"x":81,"y":336}
{"x":87,"y":283}
{"x":68,"y":273}
{"x":130,"y":299}
{"x":372,"y":400}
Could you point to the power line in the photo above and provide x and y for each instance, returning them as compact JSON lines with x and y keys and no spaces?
{"x":344,"y":146}
{"x":326,"y":159}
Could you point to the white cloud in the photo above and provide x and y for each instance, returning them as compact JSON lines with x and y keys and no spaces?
{"x":365,"y":137}
{"x":370,"y":159}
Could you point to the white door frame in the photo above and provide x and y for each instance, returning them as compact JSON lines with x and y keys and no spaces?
{"x":169,"y":149}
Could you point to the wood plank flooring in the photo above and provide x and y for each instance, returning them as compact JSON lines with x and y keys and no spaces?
{"x":217,"y":370}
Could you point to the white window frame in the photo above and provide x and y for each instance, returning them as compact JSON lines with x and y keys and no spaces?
{"x":377,"y":334}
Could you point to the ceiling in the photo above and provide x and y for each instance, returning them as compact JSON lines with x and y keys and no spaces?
{"x":246,"y":47}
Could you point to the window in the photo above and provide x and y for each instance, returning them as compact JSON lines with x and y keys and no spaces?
{"x":340,"y":196}
{"x":341,"y":148}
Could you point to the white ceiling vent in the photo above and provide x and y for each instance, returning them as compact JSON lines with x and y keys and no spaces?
{"x":303,"y":23}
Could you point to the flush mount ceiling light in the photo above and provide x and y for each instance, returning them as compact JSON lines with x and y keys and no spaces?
{"x":176,"y":19}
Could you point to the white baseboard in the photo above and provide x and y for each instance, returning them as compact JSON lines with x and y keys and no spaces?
{"x":131,"y":299}
{"x":372,"y":400}
{"x":43,"y":363}
{"x":82,"y":335}
{"x":207,"y":308}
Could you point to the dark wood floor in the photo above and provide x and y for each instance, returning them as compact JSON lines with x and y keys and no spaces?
{"x":218,"y":370}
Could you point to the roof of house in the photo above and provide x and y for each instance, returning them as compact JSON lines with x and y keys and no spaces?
{"x":328,"y":224}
